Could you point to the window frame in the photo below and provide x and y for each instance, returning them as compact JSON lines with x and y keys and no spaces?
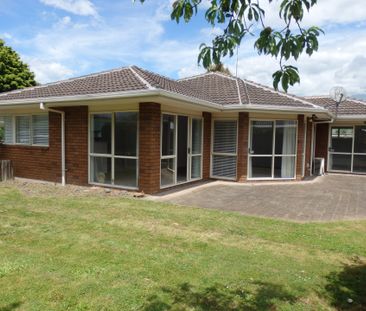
{"x":352,"y":154}
{"x":14,"y":129}
{"x":112,"y":155}
{"x":175,"y":156}
{"x":273,"y":155}
{"x":212,"y":153}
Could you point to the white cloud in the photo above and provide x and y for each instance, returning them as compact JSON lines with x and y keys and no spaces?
{"x":49,"y":71}
{"x":78,"y":7}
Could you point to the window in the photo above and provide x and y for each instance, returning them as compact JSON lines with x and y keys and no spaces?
{"x":224,"y":149}
{"x":114,"y":149}
{"x":272,"y":152}
{"x":181,"y":149}
{"x":25,"y":129}
{"x":23,"y":134}
{"x":40,"y":129}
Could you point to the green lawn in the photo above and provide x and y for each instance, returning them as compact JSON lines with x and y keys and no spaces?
{"x":98,"y":253}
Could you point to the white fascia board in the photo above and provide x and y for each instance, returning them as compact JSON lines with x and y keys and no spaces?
{"x":269,"y":108}
{"x":352,"y":117}
{"x":128,"y":94}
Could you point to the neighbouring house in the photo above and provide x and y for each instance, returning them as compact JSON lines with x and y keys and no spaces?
{"x":134,"y":129}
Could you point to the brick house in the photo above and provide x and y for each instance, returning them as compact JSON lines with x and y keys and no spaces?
{"x":134,"y":129}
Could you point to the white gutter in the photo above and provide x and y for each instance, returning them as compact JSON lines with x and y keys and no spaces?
{"x":115,"y":95}
{"x":63,"y":164}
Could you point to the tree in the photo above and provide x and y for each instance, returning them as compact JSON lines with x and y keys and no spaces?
{"x":240,"y":18}
{"x":219,"y":68}
{"x":14,"y":74}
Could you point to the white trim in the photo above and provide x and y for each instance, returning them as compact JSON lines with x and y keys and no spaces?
{"x":273,"y":156}
{"x":212,"y":153}
{"x":112,"y":155}
{"x":149,"y":86}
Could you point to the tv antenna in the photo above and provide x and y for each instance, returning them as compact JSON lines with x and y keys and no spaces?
{"x":339,"y":95}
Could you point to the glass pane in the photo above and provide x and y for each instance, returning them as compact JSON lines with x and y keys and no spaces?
{"x":126,"y":134}
{"x":182,"y":150}
{"x":196,"y":136}
{"x":101,"y":169}
{"x":285,"y":137}
{"x":225,"y":136}
{"x":168,"y":135}
{"x":167,"y":172}
{"x":23,"y":129}
{"x":224,"y":166}
{"x":125,"y":172}
{"x":360,"y":139}
{"x":340,"y":162}
{"x":8,"y":134}
{"x":284,"y":167}
{"x":342,"y":139}
{"x":261,"y":167}
{"x":101,"y":134}
{"x":40,"y":129}
{"x":262,"y":137}
{"x":196,"y":167}
{"x":359,"y":164}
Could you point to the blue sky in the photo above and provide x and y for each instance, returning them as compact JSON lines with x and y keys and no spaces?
{"x":66,"y":38}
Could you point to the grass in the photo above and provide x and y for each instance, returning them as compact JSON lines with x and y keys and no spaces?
{"x":98,"y":253}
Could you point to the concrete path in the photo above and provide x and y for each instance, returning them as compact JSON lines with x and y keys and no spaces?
{"x":327,"y":198}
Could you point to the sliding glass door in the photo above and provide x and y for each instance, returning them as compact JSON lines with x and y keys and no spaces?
{"x":347,"y":150}
{"x":272,"y":149}
{"x":181,"y":149}
{"x":114,"y":149}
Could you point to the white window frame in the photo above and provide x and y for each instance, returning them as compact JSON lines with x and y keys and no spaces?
{"x":189,"y":143}
{"x":352,"y":153}
{"x":112,"y":156}
{"x":221,"y":153}
{"x":273,"y":155}
{"x":14,"y":128}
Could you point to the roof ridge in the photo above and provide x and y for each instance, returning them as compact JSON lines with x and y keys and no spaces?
{"x":223,"y":75}
{"x":154,"y":73}
{"x":246,"y":89}
{"x":294,"y":97}
{"x":239,"y":95}
{"x":149,"y":86}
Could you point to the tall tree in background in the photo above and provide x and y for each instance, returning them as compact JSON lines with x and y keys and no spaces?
{"x":14,"y":74}
{"x":239,"y":18}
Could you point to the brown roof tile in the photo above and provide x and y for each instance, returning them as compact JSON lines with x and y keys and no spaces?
{"x":349,"y":107}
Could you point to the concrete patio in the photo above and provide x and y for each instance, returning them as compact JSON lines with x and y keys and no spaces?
{"x":327,"y":198}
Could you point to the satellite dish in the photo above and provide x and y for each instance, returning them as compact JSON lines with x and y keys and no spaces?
{"x":338,"y":94}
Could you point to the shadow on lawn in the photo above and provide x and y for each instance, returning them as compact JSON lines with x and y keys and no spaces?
{"x":10,"y":307}
{"x":350,"y":283}
{"x":219,"y":298}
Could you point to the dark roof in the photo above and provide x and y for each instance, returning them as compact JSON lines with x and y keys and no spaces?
{"x":349,"y":107}
{"x":212,"y":87}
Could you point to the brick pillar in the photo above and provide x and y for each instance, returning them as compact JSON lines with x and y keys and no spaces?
{"x":242,"y":160}
{"x":149,"y":147}
{"x":309,"y":137}
{"x":207,"y":117}
{"x":300,"y":145}
{"x":76,"y":143}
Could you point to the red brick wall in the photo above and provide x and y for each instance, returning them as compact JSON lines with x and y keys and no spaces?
{"x":300,"y":145}
{"x":321,"y":142}
{"x":242,"y":160}
{"x":207,"y":122}
{"x":309,"y":134}
{"x":44,"y":163}
{"x":76,"y":138}
{"x":149,"y":147}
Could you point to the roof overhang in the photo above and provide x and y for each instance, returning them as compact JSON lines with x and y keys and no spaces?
{"x":148,"y":93}
{"x":351,"y":117}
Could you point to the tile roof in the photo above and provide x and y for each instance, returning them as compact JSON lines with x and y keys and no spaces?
{"x":212,"y":87}
{"x":349,"y":107}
